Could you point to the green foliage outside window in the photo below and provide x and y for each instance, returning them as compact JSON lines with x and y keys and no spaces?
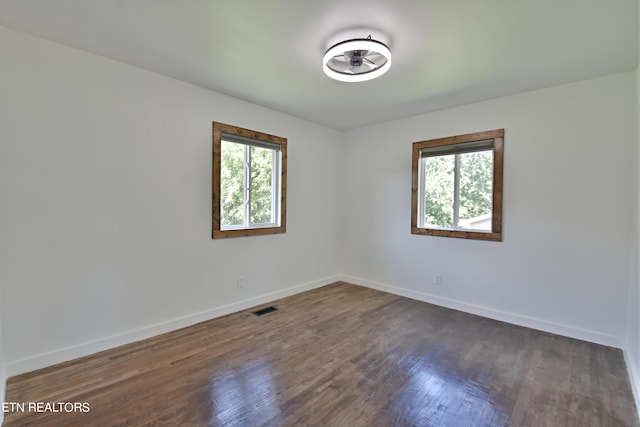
{"x":261,"y":185}
{"x":476,"y":177}
{"x":232,"y":184}
{"x":439,"y":177}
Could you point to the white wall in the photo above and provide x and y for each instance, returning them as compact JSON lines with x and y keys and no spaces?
{"x":105,"y":182}
{"x":105,"y":174}
{"x":632,"y":338}
{"x":569,"y":203}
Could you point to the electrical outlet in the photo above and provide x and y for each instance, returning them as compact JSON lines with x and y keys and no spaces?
{"x":240,"y":282}
{"x":438,"y":280}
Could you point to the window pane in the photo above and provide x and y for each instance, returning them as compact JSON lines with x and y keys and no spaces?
{"x":262,"y":191}
{"x":476,"y":193}
{"x":439,"y":191}
{"x":231,"y":184}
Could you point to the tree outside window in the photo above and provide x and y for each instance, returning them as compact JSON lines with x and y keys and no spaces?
{"x":249,"y":182}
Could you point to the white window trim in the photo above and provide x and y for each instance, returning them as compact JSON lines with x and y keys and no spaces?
{"x":276,"y":189}
{"x":456,"y":198}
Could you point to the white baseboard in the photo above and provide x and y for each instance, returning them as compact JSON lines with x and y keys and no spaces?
{"x":633,"y":376}
{"x":516,"y":319}
{"x":69,"y":353}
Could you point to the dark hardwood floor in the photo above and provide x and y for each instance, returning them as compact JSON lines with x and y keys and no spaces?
{"x":340,"y":355}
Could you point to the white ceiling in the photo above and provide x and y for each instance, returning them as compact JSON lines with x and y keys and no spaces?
{"x":445,"y":52}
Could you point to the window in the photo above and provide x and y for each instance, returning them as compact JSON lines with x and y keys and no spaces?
{"x":457,"y":186}
{"x":249,"y":182}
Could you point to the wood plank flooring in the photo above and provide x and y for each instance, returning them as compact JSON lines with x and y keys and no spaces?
{"x":340,"y":355}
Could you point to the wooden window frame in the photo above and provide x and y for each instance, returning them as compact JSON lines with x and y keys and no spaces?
{"x":495,"y":234}
{"x":218,"y":130}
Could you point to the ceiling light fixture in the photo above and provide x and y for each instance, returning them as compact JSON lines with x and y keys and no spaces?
{"x":357,"y":60}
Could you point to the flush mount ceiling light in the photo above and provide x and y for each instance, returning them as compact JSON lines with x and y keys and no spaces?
{"x":357,"y":60}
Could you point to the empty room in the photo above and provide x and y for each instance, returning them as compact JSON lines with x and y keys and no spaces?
{"x":319,"y":213}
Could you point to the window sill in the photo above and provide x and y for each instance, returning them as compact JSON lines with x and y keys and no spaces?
{"x":471,"y":235}
{"x":244,"y":232}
